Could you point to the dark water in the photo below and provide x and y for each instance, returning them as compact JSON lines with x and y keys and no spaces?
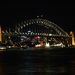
{"x":37,"y":62}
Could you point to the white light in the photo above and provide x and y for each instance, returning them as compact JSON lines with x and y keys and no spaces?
{"x":29,"y":31}
{"x":32,"y":33}
{"x":41,"y":22}
{"x":38,"y":33}
{"x":2,"y":47}
{"x":21,"y":27}
{"x":24,"y":25}
{"x":60,"y":45}
{"x":37,"y":21}
{"x":9,"y":46}
{"x":37,"y":16}
{"x":39,"y":45}
{"x":15,"y":31}
{"x":21,"y":46}
{"x":23,"y":33}
{"x":47,"y":45}
{"x":50,"y":34}
{"x":26,"y":33}
{"x":9,"y":37}
{"x":27,"y":24}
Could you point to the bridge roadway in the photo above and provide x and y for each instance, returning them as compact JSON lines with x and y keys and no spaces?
{"x":60,"y":61}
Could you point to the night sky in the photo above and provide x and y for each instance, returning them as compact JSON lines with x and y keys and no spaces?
{"x":61,"y":12}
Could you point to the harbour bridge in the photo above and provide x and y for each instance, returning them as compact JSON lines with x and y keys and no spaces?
{"x":37,"y":33}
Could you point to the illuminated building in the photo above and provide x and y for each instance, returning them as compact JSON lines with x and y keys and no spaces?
{"x":32,"y":32}
{"x":73,"y":38}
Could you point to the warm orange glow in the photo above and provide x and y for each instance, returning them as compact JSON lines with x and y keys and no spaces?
{"x":73,"y":38}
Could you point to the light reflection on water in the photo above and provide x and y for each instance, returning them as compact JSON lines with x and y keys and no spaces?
{"x":37,"y":62}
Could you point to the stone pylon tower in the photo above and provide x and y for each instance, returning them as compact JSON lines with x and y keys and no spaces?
{"x":73,"y":38}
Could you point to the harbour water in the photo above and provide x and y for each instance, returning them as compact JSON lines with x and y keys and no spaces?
{"x":60,"y":61}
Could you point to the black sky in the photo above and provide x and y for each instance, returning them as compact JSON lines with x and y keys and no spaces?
{"x":61,"y":12}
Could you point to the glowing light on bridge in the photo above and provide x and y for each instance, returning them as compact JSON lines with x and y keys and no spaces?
{"x":47,"y":45}
{"x":73,"y":38}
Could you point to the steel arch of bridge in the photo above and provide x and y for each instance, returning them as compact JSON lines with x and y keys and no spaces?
{"x":44,"y":22}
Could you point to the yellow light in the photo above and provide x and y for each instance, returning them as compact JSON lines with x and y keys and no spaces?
{"x":72,"y":34}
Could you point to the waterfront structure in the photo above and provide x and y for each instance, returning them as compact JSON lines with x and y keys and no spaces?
{"x":73,"y":38}
{"x":38,"y":33}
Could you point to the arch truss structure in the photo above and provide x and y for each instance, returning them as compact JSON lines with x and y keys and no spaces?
{"x":47,"y":31}
{"x":40,"y":26}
